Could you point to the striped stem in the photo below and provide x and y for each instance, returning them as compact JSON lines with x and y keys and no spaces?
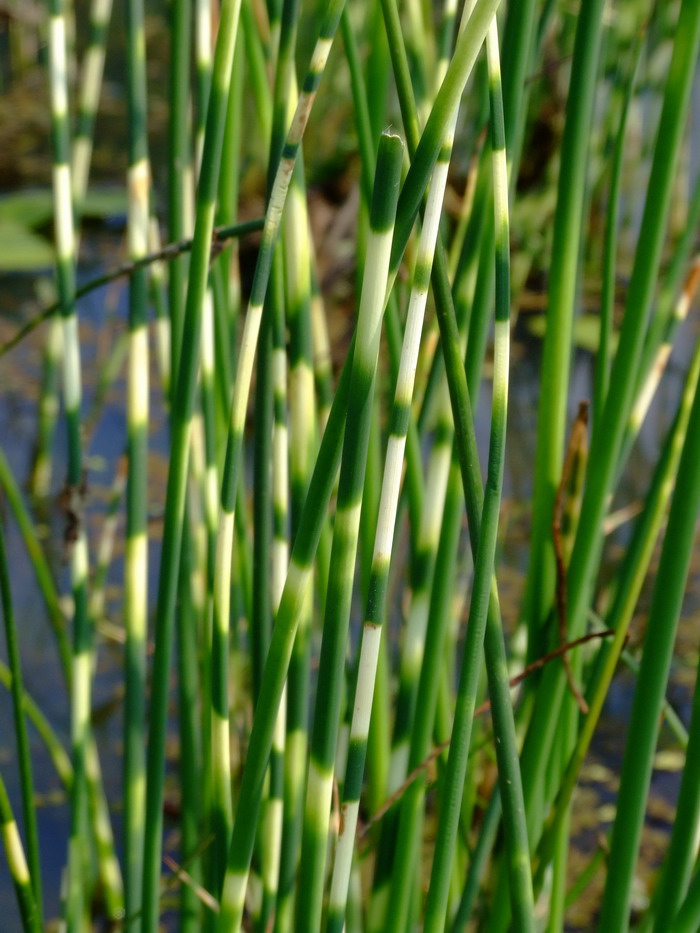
{"x":90,"y":87}
{"x":483,"y":593}
{"x":345,"y":534}
{"x":386,"y":521}
{"x":215,"y":580}
{"x":562,"y":292}
{"x":158,"y":293}
{"x":179,"y":174}
{"x":57,"y":618}
{"x":189,"y":626}
{"x":292,"y":606}
{"x":602,"y":365}
{"x":49,"y":406}
{"x":302,"y":429}
{"x":23,"y":753}
{"x":446,"y":103}
{"x":406,"y":835}
{"x":109,"y":870}
{"x":181,"y":423}
{"x":466,"y":444}
{"x":203,"y":71}
{"x":286,"y":774}
{"x":59,"y":756}
{"x":101,"y":827}
{"x":136,"y":554}
{"x":663,"y":353}
{"x":606,"y":441}
{"x":239,"y":403}
{"x":272,"y":836}
{"x":17,"y":862}
{"x":651,"y":684}
{"x":65,"y":248}
{"x":435,"y":524}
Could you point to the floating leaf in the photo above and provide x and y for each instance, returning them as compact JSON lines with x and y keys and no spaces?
{"x":21,"y":250}
{"x":34,"y":207}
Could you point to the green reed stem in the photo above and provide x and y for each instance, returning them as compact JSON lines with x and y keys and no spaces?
{"x":672,"y":282}
{"x":273,"y":824}
{"x":292,"y":606}
{"x":203,"y":45}
{"x":607,"y":306}
{"x":181,"y":422}
{"x":235,"y":885}
{"x":136,"y":556}
{"x":688,"y":916}
{"x":484,"y":593}
{"x":656,"y":658}
{"x":607,"y":439}
{"x":302,"y":433}
{"x":90,"y":87}
{"x":23,"y":753}
{"x":345,"y":535}
{"x":40,"y":564}
{"x":19,"y":870}
{"x":552,"y":411}
{"x":59,"y":756}
{"x":179,"y":170}
{"x":298,"y":257}
{"x":434,"y":603}
{"x":65,"y":249}
{"x":508,"y":771}
{"x":681,"y":852}
{"x":446,"y":103}
{"x":383,"y":541}
{"x":190,"y":741}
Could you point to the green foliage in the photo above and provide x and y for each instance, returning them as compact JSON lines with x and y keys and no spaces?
{"x":331,"y":622}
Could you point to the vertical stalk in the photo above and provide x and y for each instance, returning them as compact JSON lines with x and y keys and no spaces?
{"x":23,"y":754}
{"x":17,"y":861}
{"x":181,"y":422}
{"x":178,"y":174}
{"x":136,"y":557}
{"x":376,"y":601}
{"x":291,"y":608}
{"x":483,"y":619}
{"x":345,"y":535}
{"x":65,"y":250}
{"x":607,"y":439}
{"x":297,"y":251}
{"x":556,"y":358}
{"x":607,"y":307}
{"x":272,"y":835}
{"x":651,"y":683}
{"x":234,"y":888}
{"x":90,"y":86}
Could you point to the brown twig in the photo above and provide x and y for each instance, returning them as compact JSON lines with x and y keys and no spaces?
{"x":577,"y":440}
{"x":439,"y":749}
{"x":186,"y":878}
{"x":165,"y":254}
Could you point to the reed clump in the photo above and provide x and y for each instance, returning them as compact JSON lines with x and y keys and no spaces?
{"x":332,"y":717}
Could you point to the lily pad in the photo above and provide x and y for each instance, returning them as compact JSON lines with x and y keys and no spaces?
{"x":22,"y":250}
{"x":34,"y":207}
